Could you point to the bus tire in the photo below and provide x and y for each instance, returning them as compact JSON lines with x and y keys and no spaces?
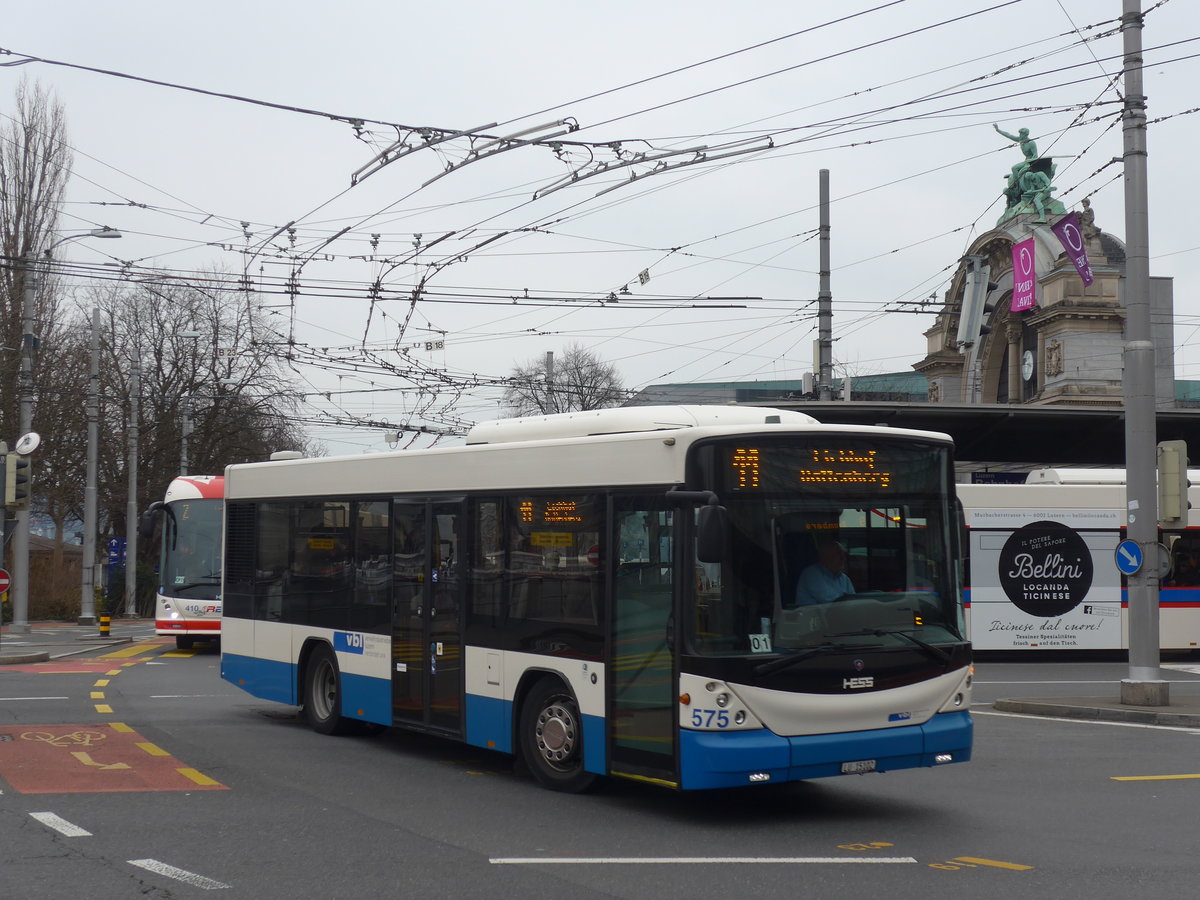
{"x":551,"y":738}
{"x":323,"y":693}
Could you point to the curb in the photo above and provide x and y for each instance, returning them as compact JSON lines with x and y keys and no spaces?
{"x":1139,"y":715}
{"x":24,"y":658}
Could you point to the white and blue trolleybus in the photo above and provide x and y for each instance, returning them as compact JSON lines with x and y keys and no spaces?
{"x":634,"y":592}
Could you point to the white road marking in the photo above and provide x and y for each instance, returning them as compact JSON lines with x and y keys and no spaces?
{"x":690,"y":860}
{"x":15,"y":699}
{"x":1013,"y":715}
{"x":61,"y":825}
{"x":161,"y":868}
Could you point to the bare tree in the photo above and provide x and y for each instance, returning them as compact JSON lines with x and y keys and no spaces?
{"x":577,"y":379}
{"x":199,"y":364}
{"x":35,"y":163}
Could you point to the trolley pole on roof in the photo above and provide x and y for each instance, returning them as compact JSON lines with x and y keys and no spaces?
{"x":1144,"y":686}
{"x":824,"y":302}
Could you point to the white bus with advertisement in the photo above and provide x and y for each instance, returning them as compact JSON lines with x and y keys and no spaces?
{"x":1042,"y":573}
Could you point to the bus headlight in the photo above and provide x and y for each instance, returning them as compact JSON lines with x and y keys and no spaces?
{"x":721,"y":700}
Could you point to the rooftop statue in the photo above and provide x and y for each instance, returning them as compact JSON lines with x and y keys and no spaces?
{"x":1028,"y":186}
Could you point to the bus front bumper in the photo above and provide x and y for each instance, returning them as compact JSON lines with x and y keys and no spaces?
{"x":716,"y":759}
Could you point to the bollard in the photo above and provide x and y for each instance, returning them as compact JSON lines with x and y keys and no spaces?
{"x":105,"y":619}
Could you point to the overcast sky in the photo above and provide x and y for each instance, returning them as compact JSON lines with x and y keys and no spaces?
{"x":896,"y":99}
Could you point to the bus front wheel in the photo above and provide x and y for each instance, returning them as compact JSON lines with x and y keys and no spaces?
{"x":551,"y":738}
{"x":323,"y":693}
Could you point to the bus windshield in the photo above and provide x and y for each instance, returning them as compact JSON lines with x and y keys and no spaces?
{"x":191,"y":559}
{"x":834,"y":544}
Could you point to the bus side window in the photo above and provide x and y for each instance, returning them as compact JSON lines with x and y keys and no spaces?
{"x":487,"y":566}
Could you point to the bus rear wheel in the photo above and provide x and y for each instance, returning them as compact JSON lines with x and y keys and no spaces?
{"x":551,"y":738}
{"x":323,"y":693}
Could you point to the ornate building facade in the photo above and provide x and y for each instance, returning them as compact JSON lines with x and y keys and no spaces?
{"x":1066,"y":350}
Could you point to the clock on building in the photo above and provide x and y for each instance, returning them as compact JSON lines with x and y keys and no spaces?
{"x":1027,"y":365}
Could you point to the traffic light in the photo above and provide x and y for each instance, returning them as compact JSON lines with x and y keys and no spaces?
{"x":16,"y":482}
{"x":1172,"y":484}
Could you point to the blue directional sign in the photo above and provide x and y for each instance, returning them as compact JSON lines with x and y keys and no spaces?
{"x":1128,"y":556}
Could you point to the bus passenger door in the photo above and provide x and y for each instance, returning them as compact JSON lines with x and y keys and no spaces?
{"x":426,"y":643}
{"x":642,"y":671}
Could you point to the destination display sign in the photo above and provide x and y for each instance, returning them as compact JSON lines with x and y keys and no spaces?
{"x":859,"y":468}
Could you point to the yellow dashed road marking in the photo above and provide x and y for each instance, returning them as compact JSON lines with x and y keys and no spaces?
{"x":976,"y":861}
{"x":198,"y":777}
{"x":126,"y":652}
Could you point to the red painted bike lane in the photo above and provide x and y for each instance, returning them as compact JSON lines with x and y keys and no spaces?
{"x":87,"y":759}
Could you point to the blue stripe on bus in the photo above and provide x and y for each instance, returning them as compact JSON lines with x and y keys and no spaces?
{"x":489,"y":725}
{"x":716,"y":759}
{"x":271,"y":680}
{"x":262,"y":678}
{"x":366,"y":698}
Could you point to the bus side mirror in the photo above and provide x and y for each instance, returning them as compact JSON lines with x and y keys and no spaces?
{"x":145,"y":526}
{"x":712,"y":523}
{"x":712,"y":533}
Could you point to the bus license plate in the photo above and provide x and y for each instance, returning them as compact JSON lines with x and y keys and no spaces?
{"x":858,"y":766}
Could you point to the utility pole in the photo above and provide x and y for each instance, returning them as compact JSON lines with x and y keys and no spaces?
{"x":1144,"y":686}
{"x":131,"y":505}
{"x":550,"y":405}
{"x":20,"y":540}
{"x":87,"y":594}
{"x":824,"y":301}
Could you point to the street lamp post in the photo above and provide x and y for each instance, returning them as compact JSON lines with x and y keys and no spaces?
{"x":87,"y":597}
{"x":20,"y":566}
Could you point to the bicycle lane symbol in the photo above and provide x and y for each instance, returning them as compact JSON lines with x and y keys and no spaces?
{"x":109,"y":757}
{"x":75,"y":739}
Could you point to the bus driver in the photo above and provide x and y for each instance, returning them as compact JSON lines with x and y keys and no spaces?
{"x":825,"y":580}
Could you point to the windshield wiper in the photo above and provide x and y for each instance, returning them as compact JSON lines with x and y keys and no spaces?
{"x":215,"y":579}
{"x":791,"y":659}
{"x":936,"y":652}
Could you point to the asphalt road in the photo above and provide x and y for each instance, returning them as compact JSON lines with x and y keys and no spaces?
{"x":223,"y":793}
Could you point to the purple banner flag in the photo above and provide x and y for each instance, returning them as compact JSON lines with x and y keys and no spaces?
{"x":1024,"y":295}
{"x":1067,"y":229}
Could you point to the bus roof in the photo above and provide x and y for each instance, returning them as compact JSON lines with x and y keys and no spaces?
{"x":196,"y":487}
{"x":654,"y":453}
{"x":1088,"y":476}
{"x":626,"y":420}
